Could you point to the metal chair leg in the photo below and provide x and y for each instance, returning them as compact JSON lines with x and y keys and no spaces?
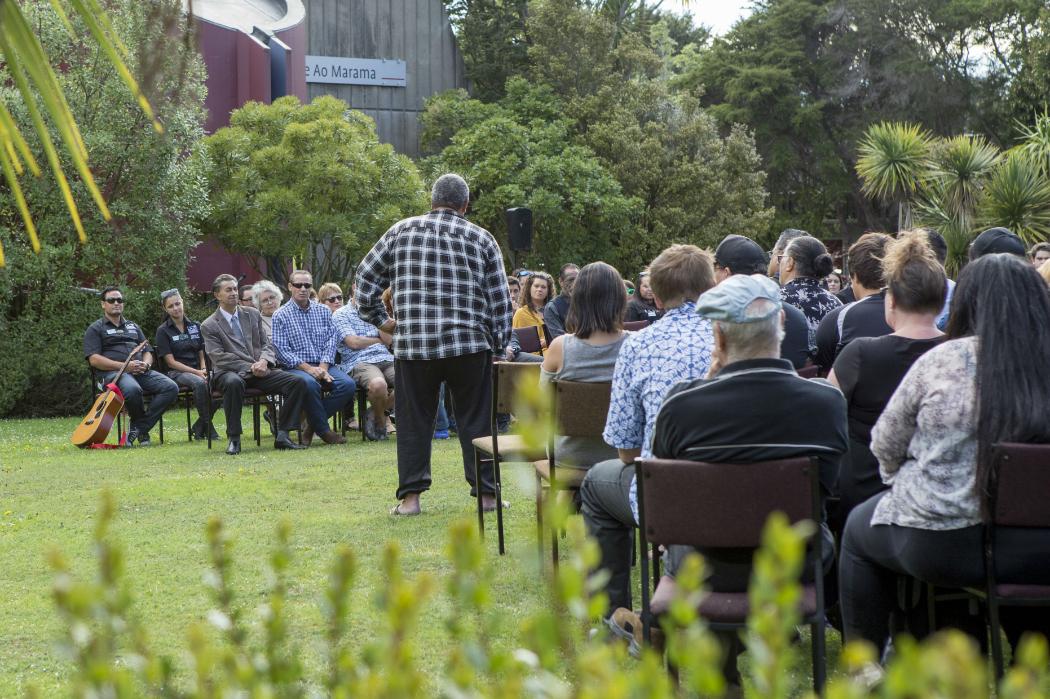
{"x":819,"y":661}
{"x":499,"y":504}
{"x":996,"y":637}
{"x":256,"y":426}
{"x":477,"y":490}
{"x":539,"y":518}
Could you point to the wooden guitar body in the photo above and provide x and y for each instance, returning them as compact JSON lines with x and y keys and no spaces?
{"x":95,"y":427}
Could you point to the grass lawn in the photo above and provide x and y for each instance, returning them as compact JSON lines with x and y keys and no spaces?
{"x":49,"y":496}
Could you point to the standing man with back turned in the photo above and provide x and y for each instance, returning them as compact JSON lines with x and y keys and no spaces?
{"x":452,"y":313}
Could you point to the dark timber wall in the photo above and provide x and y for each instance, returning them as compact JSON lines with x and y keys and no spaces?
{"x":415,"y":31}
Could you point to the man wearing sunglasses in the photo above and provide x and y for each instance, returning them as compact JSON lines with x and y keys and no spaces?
{"x":305,"y":341}
{"x":107,"y":344}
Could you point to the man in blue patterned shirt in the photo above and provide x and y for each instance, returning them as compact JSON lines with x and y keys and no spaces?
{"x":674,"y":349}
{"x":304,"y":341}
{"x":365,"y":356}
{"x":452,"y":312}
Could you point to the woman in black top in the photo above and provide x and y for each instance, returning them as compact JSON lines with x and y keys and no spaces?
{"x":869,"y":369}
{"x":180,"y":344}
{"x":642,"y":305}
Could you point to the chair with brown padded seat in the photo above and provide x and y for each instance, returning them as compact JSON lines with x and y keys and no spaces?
{"x":580,"y":410}
{"x":725,"y":506}
{"x":636,"y":325}
{"x":506,"y":376}
{"x":1016,"y":498}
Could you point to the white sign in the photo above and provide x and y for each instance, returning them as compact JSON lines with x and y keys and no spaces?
{"x":356,"y":71}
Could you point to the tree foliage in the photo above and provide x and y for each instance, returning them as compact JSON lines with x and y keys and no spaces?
{"x":614,"y":162}
{"x":156,"y":196}
{"x":305,"y":184}
{"x":810,"y":76}
{"x":511,"y":159}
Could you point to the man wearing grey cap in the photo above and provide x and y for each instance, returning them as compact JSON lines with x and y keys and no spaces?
{"x":751,"y":407}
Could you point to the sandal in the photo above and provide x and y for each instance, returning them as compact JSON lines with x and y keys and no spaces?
{"x":396,"y":511}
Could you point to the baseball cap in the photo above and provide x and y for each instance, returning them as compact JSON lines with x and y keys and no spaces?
{"x":729,"y":300}
{"x":741,"y":255}
{"x":996,"y":240}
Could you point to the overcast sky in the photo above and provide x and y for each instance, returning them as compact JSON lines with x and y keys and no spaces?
{"x":719,"y":14}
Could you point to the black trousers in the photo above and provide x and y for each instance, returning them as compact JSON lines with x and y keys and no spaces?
{"x":417,"y":381}
{"x":874,"y":556}
{"x":291,"y":386}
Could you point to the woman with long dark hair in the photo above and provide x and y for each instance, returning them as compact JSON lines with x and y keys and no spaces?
{"x":869,"y":369}
{"x":804,"y":266}
{"x":537,"y":291}
{"x":588,"y":351}
{"x":934,"y":444}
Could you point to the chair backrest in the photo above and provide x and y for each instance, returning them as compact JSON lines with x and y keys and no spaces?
{"x":1021,"y":480}
{"x":635,"y":325}
{"x":707,"y":505}
{"x":529,"y":338}
{"x":507,"y":378}
{"x":810,"y":371}
{"x":581,"y":408}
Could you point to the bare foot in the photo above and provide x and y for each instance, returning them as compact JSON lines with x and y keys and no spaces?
{"x":408,"y":506}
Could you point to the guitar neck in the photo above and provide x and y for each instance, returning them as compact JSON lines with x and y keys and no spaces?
{"x":127,"y":361}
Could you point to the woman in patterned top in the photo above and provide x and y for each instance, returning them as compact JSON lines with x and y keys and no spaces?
{"x":804,"y":266}
{"x":538,"y":290}
{"x":934,"y":446}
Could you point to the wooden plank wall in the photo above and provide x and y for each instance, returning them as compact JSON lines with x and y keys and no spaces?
{"x":415,"y":31}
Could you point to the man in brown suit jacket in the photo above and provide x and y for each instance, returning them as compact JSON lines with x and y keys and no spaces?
{"x":242,"y":357}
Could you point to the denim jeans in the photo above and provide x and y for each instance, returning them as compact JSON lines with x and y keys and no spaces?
{"x":319,"y":408}
{"x":152,"y":383}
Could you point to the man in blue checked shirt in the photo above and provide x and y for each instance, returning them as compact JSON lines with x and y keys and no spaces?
{"x":676,"y":348}
{"x":452,"y":314}
{"x":305,"y":341}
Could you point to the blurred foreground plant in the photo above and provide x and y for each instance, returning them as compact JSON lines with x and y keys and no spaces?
{"x":547,"y":654}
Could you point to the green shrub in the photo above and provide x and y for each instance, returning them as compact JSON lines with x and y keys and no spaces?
{"x":235,"y":654}
{"x":156,"y":196}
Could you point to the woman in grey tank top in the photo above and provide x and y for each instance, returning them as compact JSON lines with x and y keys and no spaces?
{"x":588,"y":353}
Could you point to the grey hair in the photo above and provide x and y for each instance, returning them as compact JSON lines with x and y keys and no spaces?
{"x":450,"y":190}
{"x":265,"y":285}
{"x":757,"y":339}
{"x":786,"y":236}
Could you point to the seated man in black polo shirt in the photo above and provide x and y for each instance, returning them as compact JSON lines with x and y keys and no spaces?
{"x":107,"y":343}
{"x":751,"y":407}
{"x":179,"y":343}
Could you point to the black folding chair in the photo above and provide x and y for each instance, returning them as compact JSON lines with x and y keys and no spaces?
{"x":1016,"y":498}
{"x":725,"y":506}
{"x":185,"y":396}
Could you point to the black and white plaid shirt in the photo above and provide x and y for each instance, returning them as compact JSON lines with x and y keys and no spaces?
{"x":450,"y":287}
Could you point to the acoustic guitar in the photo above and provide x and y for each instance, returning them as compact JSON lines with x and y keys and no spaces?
{"x":95,"y":426}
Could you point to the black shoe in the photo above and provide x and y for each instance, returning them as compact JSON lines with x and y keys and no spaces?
{"x":234,"y":447}
{"x":132,"y":435}
{"x":282,"y":441}
{"x":143,"y":439}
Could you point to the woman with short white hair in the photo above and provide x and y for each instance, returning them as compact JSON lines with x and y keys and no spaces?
{"x":267,"y":297}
